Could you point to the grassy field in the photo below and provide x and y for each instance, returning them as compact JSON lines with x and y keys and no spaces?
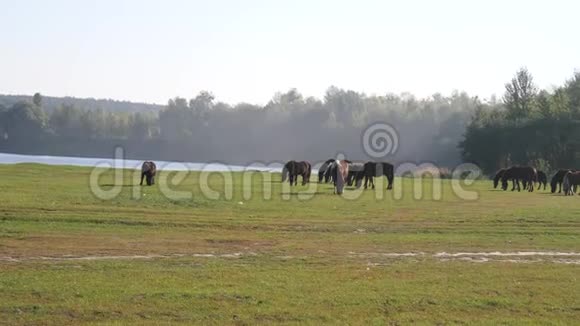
{"x":67,"y":256}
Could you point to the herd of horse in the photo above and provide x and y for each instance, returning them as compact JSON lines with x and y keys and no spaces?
{"x":565,"y":179}
{"x":340,"y":173}
{"x":345,"y":172}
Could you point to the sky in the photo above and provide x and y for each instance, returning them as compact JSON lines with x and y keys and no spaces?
{"x":247,"y":50}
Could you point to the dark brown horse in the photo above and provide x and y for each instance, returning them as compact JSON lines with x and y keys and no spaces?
{"x":557,"y":179}
{"x":497,"y":177}
{"x":293,"y":169}
{"x":542,"y":179}
{"x":571,"y":182}
{"x":148,"y":171}
{"x":322,"y":171}
{"x":355,"y":173}
{"x":526,"y":174}
{"x":377,"y":169}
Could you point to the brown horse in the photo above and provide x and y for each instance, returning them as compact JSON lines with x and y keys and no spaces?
{"x":571,"y":182}
{"x":293,"y":169}
{"x":377,"y":169}
{"x":340,"y":169}
{"x":497,"y":177}
{"x":148,"y":171}
{"x":526,"y":174}
{"x":557,"y":179}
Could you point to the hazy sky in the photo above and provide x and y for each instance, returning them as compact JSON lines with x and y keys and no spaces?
{"x":246,"y":50}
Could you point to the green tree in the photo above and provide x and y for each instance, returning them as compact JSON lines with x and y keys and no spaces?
{"x":560,"y":104}
{"x":520,"y":95}
{"x":140,"y":126}
{"x":573,"y":91}
{"x":65,"y":121}
{"x":25,"y":121}
{"x":544,"y":106}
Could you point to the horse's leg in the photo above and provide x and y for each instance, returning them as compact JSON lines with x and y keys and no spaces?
{"x":142,"y":176}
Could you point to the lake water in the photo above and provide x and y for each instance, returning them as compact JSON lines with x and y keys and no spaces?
{"x":133,"y":164}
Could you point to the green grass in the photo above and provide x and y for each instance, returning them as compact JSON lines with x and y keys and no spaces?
{"x":302,"y":261}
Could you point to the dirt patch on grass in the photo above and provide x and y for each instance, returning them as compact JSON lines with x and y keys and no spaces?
{"x":473,"y":257}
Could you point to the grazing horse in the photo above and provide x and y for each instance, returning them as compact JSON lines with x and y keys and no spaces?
{"x":557,"y":180}
{"x":526,"y":174}
{"x":377,"y":169}
{"x":148,"y":171}
{"x":570,"y":183}
{"x":293,"y":169}
{"x":355,"y":173}
{"x":331,"y":171}
{"x":542,"y":179}
{"x":497,"y":177}
{"x":340,"y":175}
{"x":322,"y":171}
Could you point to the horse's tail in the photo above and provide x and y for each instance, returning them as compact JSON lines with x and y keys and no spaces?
{"x":554,"y":182}
{"x":309,"y":171}
{"x":566,"y":186}
{"x":284,"y":173}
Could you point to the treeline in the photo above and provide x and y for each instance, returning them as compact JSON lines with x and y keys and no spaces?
{"x":530,"y":126}
{"x":203,"y":129}
{"x":49,"y":104}
{"x":527,"y":126}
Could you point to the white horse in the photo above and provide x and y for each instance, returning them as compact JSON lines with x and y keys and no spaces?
{"x":341,"y":175}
